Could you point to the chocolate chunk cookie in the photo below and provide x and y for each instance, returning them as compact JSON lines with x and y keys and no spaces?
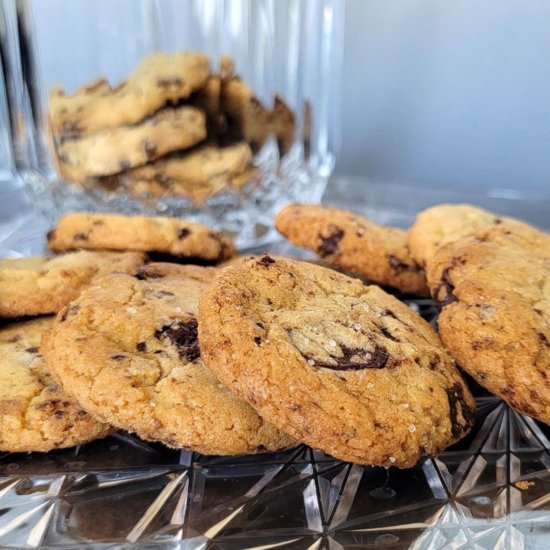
{"x":350,"y":241}
{"x":445,"y":223}
{"x":155,"y":234}
{"x":339,"y":365}
{"x":493,"y":289}
{"x":41,"y":285}
{"x":199,"y":174}
{"x":118,"y":149}
{"x":128,"y":351}
{"x":159,"y":79}
{"x":35,"y":413}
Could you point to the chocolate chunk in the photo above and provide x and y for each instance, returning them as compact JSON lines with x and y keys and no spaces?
{"x":144,"y":273}
{"x":141,"y":346}
{"x":50,"y":235}
{"x":261,"y":325}
{"x":389,"y":313}
{"x":184,"y":232}
{"x":32,"y":350}
{"x":458,"y":405}
{"x":265,"y":260}
{"x":81,"y":237}
{"x":375,"y":359}
{"x":388,"y":334}
{"x":399,"y":265}
{"x":118,"y":357}
{"x":543,"y":339}
{"x":183,"y":335}
{"x":329,"y":245}
{"x":150,"y":149}
{"x":257,"y":340}
{"x":446,"y":286}
{"x":169,"y":82}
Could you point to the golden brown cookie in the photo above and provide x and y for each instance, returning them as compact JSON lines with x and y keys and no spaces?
{"x":355,"y":243}
{"x":35,"y":413}
{"x":118,"y":149}
{"x":199,"y":174}
{"x":148,"y":234}
{"x":159,"y":79}
{"x":493,"y":290}
{"x":127,"y":350}
{"x":445,"y":223}
{"x":339,"y":365}
{"x":40,"y":285}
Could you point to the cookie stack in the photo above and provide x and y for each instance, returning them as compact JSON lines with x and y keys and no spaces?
{"x":488,"y":274}
{"x":173,"y":127}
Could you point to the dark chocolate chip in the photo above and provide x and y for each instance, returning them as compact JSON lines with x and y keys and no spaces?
{"x":81,"y":237}
{"x":388,"y":334}
{"x":32,"y":350}
{"x":375,"y":359}
{"x":184,"y":232}
{"x":389,"y":313}
{"x":141,"y":346}
{"x":150,"y":149}
{"x":399,"y":265}
{"x":329,"y":245}
{"x":446,"y":286}
{"x":183,"y":335}
{"x":543,"y":339}
{"x":144,"y":273}
{"x":257,"y":340}
{"x":58,"y":414}
{"x":261,"y":325}
{"x":457,"y":404}
{"x":118,"y":357}
{"x":265,"y":260}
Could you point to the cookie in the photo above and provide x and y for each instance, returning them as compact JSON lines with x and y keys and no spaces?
{"x":159,"y":79}
{"x":284,"y":125}
{"x":342,"y":366}
{"x":493,"y":290}
{"x":247,"y":118}
{"x":199,"y":174}
{"x":119,"y":149}
{"x":39,"y":285}
{"x":354,"y":243}
{"x":127,"y":349}
{"x":35,"y":413}
{"x":445,"y":223}
{"x":147,"y":234}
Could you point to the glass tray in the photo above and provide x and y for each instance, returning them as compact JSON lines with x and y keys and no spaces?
{"x":492,"y":490}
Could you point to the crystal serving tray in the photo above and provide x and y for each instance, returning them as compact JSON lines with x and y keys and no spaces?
{"x":491,"y":490}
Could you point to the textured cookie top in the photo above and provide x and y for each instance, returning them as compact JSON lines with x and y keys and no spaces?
{"x":160,"y":78}
{"x":445,"y":223}
{"x":493,"y":289}
{"x":339,"y":365}
{"x":127,"y":349}
{"x":35,"y":413}
{"x":355,"y":243}
{"x":149,"y":234}
{"x":40,"y":285}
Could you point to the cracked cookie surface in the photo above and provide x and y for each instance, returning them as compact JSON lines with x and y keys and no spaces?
{"x":493,"y":290}
{"x":128,"y":351}
{"x":39,"y":285}
{"x":35,"y":413}
{"x":342,"y":366}
{"x":148,"y":234}
{"x":355,"y":243}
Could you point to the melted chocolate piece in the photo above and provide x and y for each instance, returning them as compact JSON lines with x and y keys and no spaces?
{"x":143,"y":273}
{"x":329,"y":245}
{"x":543,"y":339}
{"x":32,"y":350}
{"x":265,"y":260}
{"x":183,"y":335}
{"x":141,"y":346}
{"x":184,"y":232}
{"x":257,"y":340}
{"x":375,"y":359}
{"x":399,"y":265}
{"x":457,"y":404}
{"x":118,"y":357}
{"x":447,"y":286}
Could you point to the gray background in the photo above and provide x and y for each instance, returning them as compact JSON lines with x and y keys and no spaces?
{"x":452,"y":92}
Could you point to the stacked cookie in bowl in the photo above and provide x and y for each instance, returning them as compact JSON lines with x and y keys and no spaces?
{"x":262,"y":352}
{"x":174,"y":127}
